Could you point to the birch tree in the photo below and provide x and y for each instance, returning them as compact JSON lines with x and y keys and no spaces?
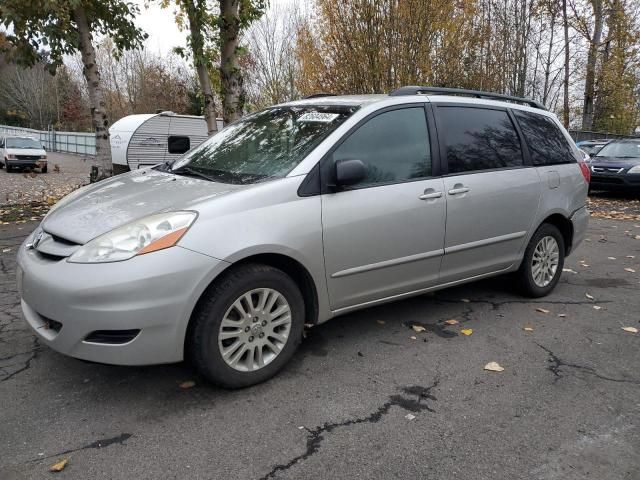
{"x":47,"y":30}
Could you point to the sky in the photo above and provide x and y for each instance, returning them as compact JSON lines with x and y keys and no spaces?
{"x":164,"y":34}
{"x":159,"y":23}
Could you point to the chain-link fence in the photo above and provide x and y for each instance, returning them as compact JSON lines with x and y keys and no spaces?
{"x":67,"y":142}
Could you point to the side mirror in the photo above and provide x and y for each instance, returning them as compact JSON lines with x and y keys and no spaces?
{"x":349,"y":172}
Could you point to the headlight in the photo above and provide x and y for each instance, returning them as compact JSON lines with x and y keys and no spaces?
{"x":11,"y":156}
{"x":635,"y":169}
{"x":146,"y":235}
{"x":43,"y":157}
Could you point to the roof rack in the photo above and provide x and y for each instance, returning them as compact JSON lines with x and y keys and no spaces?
{"x":415,"y":90}
{"x":317,"y":95}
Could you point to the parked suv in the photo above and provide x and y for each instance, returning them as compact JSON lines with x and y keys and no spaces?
{"x":299,"y":213}
{"x":22,"y":152}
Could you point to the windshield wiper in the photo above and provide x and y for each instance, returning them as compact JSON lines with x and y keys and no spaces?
{"x":193,"y":172}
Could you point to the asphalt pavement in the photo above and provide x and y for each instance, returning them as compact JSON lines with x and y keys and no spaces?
{"x":366,"y":396}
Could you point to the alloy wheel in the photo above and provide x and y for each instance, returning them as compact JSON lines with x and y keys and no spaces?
{"x":545,"y":260}
{"x":254,"y":329}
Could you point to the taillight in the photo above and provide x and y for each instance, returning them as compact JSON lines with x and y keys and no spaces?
{"x":586,"y":172}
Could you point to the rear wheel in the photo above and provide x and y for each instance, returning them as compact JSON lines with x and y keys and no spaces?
{"x":543,"y":261}
{"x":247,"y":327}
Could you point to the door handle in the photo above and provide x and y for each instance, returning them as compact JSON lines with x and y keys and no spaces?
{"x":429,"y":196}
{"x":458,"y":190}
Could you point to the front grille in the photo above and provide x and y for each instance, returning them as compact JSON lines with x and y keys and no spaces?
{"x":54,"y":247}
{"x":28,"y":157}
{"x":112,"y":337}
{"x":607,"y":170}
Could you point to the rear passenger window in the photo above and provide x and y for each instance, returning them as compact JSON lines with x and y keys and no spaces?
{"x":478,"y":139}
{"x":394,"y":146}
{"x":547,"y":144}
{"x":178,"y":144}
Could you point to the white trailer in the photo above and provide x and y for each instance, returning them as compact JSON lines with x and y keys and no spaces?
{"x":148,"y":139}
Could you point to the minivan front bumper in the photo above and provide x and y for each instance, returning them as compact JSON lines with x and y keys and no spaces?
{"x":149,"y":296}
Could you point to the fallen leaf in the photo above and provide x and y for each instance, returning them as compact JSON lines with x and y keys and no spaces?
{"x":58,"y":467}
{"x":585,"y":265}
{"x":589,"y":296}
{"x":569,"y":270}
{"x":5,"y":250}
{"x":418,"y":328}
{"x":597,"y":307}
{"x":413,"y":338}
{"x":466,"y":331}
{"x":542,"y":310}
{"x":380,"y":322}
{"x":562,"y":315}
{"x":631,"y":256}
{"x":187,"y":384}
{"x":451,"y":322}
{"x":409,"y":416}
{"x":611,"y":258}
{"x":465,"y":300}
{"x":629,"y":270}
{"x":528,"y":329}
{"x":630,"y":329}
{"x":494,"y":367}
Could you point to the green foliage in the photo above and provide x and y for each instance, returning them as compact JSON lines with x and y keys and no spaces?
{"x":46,"y":29}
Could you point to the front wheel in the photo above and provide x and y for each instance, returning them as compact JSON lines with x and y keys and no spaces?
{"x":247,"y":326}
{"x":542,"y":263}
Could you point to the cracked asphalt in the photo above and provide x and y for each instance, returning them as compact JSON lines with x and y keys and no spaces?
{"x":361,"y":398}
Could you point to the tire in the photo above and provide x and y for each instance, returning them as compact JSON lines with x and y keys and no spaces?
{"x":9,"y":167}
{"x":529,"y":285}
{"x":204,"y":346}
{"x":43,"y":169}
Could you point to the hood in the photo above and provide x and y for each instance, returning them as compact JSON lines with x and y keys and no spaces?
{"x":614,"y":162}
{"x":26,"y":151}
{"x":101,"y":207}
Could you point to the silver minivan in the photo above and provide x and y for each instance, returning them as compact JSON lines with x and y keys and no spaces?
{"x":297,"y":214}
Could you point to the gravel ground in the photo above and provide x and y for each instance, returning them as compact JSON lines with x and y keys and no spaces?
{"x":24,"y":188}
{"x":361,"y":398}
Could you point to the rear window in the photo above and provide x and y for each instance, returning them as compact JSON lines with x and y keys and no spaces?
{"x":479,"y":139}
{"x":547,"y":145}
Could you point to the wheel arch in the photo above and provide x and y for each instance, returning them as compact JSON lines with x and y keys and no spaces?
{"x":565,"y":226}
{"x":288,"y":265}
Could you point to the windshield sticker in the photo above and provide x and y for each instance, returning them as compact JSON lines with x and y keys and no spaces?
{"x":318,"y":117}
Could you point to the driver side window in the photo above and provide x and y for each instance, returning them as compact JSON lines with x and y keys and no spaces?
{"x":394,"y":147}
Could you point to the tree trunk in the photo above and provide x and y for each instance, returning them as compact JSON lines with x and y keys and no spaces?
{"x":565,"y":109}
{"x":197,"y":46}
{"x":232,"y":82}
{"x":592,"y":56}
{"x":96,"y":95}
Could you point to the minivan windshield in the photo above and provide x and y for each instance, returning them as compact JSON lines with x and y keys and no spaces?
{"x":620,"y":150}
{"x":267,"y":144}
{"x":18,"y":142}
